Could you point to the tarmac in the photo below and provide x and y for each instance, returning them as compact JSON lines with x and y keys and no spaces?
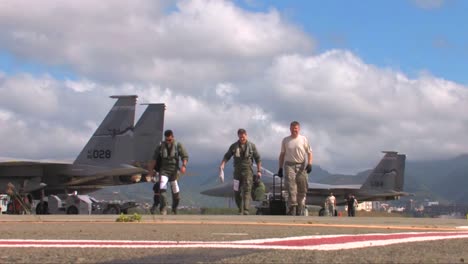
{"x":231,"y":239}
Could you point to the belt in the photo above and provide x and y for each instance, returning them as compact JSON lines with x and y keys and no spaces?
{"x":293,"y":163}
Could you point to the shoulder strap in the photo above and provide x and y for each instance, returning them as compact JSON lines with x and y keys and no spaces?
{"x":166,"y":152}
{"x":236,"y":146}
{"x":162,"y":145}
{"x":176,"y":148}
{"x":249,"y":151}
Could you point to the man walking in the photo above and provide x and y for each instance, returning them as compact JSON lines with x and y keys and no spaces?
{"x":296,"y":158}
{"x":244,"y":152}
{"x":352,"y":204}
{"x":168,"y":153}
{"x":331,"y":203}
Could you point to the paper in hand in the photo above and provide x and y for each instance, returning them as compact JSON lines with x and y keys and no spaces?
{"x":221,"y":176}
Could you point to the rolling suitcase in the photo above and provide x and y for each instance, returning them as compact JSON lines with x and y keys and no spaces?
{"x":277,"y":201}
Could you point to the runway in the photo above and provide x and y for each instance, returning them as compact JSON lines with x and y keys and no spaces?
{"x":231,"y":239}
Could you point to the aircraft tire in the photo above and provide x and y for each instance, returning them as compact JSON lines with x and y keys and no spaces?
{"x":112,"y":209}
{"x":10,"y":208}
{"x":42,"y":208}
{"x":322,"y":212}
{"x":72,"y":210}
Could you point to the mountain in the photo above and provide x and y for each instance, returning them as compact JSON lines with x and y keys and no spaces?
{"x":443,"y":180}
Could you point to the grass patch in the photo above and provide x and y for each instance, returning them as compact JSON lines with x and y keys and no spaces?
{"x":129,"y":218}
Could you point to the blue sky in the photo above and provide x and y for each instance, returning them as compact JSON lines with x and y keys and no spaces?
{"x":11,"y":65}
{"x":400,"y":34}
{"x":361,"y":76}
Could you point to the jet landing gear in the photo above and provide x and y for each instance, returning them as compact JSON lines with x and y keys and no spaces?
{"x":42,"y":208}
{"x":112,"y":209}
{"x":322,"y":212}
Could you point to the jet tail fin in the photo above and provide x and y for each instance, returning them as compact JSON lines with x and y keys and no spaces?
{"x":149,"y":132}
{"x":112,"y":141}
{"x":388,"y":174}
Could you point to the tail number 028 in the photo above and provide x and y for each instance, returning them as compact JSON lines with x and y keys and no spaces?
{"x":99,"y":154}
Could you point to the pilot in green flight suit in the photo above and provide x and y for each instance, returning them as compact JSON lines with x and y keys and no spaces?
{"x":168,"y":154}
{"x":244,"y":152}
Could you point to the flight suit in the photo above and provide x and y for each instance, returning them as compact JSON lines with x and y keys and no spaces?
{"x":244,"y":155}
{"x":169,"y":156}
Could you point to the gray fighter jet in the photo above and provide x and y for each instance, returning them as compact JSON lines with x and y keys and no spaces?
{"x":116,"y":154}
{"x":385,"y":182}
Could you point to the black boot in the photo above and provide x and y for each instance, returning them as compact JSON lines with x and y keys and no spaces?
{"x":175,"y":202}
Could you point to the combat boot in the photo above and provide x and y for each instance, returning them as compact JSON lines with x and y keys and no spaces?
{"x":163,"y":211}
{"x":153,"y":209}
{"x":292,"y":210}
{"x":175,"y":202}
{"x":300,"y":210}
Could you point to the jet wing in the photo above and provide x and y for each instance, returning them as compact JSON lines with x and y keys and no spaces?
{"x":83,"y":170}
{"x":388,"y":194}
{"x":323,"y":190}
{"x":18,"y":163}
{"x":222,"y":190}
{"x":322,"y":186}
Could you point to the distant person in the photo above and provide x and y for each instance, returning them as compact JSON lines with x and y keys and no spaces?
{"x":169,"y":153}
{"x":331,"y":204}
{"x":352,"y":205}
{"x":244,"y":153}
{"x":296,"y":158}
{"x":325,"y":207}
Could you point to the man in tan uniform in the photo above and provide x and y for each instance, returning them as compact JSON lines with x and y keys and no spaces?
{"x":296,"y":158}
{"x":331,"y":204}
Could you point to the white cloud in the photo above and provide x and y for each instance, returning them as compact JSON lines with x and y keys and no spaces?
{"x":117,"y":41}
{"x":82,"y":86}
{"x":26,"y":94}
{"x":5,"y":115}
{"x":217,"y":68}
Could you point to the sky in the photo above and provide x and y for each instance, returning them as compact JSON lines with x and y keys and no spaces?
{"x":360,"y":76}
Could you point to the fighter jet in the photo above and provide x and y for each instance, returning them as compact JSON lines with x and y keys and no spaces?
{"x":114,"y":155}
{"x":384,"y":182}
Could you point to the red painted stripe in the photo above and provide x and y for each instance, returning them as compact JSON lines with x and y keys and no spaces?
{"x":292,"y":242}
{"x":352,"y":238}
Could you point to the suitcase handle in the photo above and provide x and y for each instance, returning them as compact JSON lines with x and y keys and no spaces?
{"x":281,"y":185}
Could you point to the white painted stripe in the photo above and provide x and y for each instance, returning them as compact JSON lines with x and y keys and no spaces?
{"x":230,"y":234}
{"x":376,"y":243}
{"x":259,"y":241}
{"x":246,"y":244}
